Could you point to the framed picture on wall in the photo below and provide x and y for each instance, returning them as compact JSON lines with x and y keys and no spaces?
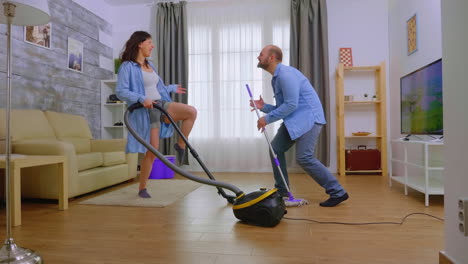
{"x":75,"y":55}
{"x":38,"y":35}
{"x":412,"y":36}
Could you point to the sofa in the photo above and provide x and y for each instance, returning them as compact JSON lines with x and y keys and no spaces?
{"x":92,"y":163}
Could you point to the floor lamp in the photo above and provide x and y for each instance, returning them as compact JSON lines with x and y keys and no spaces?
{"x":20,"y":13}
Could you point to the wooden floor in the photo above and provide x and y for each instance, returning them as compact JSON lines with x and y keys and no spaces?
{"x":201,"y":228}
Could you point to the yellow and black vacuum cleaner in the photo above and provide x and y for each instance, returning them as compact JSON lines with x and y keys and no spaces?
{"x":262,"y":208}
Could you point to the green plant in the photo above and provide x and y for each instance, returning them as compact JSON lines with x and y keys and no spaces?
{"x":117,"y":63}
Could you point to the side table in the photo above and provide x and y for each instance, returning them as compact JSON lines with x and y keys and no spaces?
{"x":24,"y":161}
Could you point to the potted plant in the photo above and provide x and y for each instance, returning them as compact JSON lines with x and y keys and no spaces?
{"x":374,"y":97}
{"x":366,"y":97}
{"x":117,"y":63}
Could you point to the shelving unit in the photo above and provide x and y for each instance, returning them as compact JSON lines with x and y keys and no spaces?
{"x":420,"y":166}
{"x":366,"y":111}
{"x":111,"y":113}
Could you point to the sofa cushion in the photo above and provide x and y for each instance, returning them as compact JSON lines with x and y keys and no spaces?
{"x":26,"y":124}
{"x":113,"y":158}
{"x":89,"y":160}
{"x":71,"y":128}
{"x":82,"y":145}
{"x":2,"y":146}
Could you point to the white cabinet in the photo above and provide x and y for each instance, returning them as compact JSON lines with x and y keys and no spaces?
{"x":111,"y":113}
{"x":419,"y":166}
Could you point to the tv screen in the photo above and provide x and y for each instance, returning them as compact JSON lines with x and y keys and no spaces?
{"x":421,"y":100}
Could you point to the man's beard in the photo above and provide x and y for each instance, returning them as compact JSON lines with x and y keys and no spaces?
{"x":262,"y":65}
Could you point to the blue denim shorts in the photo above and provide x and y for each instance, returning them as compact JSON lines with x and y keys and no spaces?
{"x":155,"y":116}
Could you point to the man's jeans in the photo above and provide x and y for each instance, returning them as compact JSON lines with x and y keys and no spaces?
{"x":305,"y":157}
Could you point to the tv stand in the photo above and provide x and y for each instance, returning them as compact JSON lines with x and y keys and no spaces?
{"x":419,"y":166}
{"x":408,"y":137}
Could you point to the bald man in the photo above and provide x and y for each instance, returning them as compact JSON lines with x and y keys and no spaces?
{"x":299,"y":106}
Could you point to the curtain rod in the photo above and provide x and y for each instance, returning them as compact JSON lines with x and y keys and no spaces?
{"x":156,"y":2}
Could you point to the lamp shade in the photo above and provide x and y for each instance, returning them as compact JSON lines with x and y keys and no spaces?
{"x":27,"y":12}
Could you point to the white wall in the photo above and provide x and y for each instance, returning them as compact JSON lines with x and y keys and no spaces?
{"x":129,"y":18}
{"x":363,"y":26}
{"x":455,"y":65}
{"x":429,"y":47}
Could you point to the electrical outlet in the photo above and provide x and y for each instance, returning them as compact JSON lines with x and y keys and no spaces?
{"x":462,"y":215}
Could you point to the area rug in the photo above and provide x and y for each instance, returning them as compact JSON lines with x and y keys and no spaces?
{"x":163,"y":193}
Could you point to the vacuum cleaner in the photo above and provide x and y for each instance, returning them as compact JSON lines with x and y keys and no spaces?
{"x":261,"y":208}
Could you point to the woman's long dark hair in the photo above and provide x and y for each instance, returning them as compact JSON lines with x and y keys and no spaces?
{"x":131,"y":47}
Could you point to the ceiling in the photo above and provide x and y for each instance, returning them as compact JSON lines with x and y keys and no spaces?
{"x":143,"y":2}
{"x":127,"y":2}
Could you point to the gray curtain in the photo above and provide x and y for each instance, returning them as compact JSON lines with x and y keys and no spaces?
{"x":309,"y":54}
{"x":172,"y":59}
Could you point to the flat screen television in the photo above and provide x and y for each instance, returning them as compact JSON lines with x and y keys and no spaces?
{"x":421,"y":100}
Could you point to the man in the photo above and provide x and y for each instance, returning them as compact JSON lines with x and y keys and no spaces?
{"x":298,"y":105}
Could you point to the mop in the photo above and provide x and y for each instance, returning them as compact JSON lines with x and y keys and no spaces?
{"x":291,"y":201}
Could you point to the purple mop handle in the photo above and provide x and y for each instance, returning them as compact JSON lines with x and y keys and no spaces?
{"x":255,"y":106}
{"x":248,"y":90}
{"x":277,"y":163}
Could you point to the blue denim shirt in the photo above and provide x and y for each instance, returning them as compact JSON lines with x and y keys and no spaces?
{"x":130,"y":88}
{"x":297,"y":102}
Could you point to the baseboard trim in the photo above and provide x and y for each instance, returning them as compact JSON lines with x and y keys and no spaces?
{"x":444,"y":259}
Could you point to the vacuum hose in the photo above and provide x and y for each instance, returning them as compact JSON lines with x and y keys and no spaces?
{"x":173,"y":167}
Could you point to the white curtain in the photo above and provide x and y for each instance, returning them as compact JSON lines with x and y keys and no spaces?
{"x":225,"y":38}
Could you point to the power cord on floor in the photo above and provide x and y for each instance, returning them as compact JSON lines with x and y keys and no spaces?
{"x":369,"y":223}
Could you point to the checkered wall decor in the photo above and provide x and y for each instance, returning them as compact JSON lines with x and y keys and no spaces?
{"x":346,"y":56}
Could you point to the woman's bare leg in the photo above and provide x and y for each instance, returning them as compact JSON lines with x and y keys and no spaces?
{"x":147,"y":162}
{"x":185,"y":113}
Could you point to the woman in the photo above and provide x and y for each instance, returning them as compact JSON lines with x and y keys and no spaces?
{"x":138,"y":81}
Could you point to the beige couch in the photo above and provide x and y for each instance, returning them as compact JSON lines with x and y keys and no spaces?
{"x":92,"y":164}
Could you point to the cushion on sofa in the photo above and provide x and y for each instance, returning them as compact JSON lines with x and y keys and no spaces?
{"x":26,"y":124}
{"x":82,"y":145}
{"x":113,"y":158}
{"x":2,"y":146}
{"x":89,"y":160}
{"x":71,"y":128}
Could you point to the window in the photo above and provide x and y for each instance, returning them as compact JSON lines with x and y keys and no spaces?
{"x":224,"y":40}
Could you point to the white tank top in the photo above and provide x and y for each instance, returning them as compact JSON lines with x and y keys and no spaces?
{"x":150,"y":81}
